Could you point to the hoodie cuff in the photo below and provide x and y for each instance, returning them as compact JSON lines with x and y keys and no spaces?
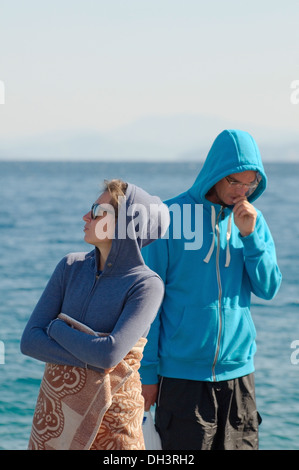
{"x":253,"y":245}
{"x":148,"y":375}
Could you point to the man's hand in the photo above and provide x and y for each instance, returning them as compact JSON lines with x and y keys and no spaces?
{"x":150,"y":393}
{"x":244,"y":216}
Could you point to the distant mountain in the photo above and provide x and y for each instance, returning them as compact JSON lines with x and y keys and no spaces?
{"x":177,"y":137}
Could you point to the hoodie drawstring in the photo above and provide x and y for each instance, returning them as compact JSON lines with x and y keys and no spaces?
{"x":213,"y":222}
{"x":228,"y":235}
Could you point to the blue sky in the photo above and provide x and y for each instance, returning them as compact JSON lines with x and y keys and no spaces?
{"x":73,"y":65}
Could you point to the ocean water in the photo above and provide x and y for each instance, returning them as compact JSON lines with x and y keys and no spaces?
{"x":41,"y":220}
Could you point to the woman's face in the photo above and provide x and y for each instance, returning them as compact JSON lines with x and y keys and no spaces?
{"x":100,"y":230}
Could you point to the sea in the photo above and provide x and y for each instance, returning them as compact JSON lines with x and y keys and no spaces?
{"x":41,"y":209}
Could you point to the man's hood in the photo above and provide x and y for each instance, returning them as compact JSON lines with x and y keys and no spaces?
{"x":233,"y":151}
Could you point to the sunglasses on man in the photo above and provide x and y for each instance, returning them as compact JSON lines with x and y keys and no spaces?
{"x":251,"y":187}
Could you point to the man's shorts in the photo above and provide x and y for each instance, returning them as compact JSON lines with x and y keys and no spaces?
{"x":207,"y":415}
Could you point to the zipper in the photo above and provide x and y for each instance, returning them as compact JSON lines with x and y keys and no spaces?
{"x":219,"y":293}
{"x":88,"y":299}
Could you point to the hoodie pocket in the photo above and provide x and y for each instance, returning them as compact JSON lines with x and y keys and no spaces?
{"x":196,"y":335}
{"x":238,"y":335}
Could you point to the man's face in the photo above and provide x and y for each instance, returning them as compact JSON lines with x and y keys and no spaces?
{"x":227,"y":191}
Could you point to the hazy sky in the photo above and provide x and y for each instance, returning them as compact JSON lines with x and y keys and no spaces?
{"x":94,"y":64}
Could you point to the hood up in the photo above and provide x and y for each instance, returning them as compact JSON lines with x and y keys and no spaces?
{"x":233,"y":151}
{"x":142,"y":218}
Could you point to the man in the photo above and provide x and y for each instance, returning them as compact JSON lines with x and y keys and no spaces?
{"x":202,"y":342}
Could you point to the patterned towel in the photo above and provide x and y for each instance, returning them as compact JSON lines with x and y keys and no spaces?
{"x":80,"y":409}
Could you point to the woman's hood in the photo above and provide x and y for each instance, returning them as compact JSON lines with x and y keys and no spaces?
{"x":142,"y":219}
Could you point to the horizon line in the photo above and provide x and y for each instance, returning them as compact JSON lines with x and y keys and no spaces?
{"x":120,"y":160}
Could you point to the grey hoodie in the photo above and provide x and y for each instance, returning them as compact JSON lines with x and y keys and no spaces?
{"x":122,"y":301}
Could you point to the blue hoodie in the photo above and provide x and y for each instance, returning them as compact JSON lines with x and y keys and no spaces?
{"x":204,"y":330}
{"x":121,"y":301}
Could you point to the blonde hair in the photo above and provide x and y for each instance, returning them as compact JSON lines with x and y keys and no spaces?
{"x":116,"y":188}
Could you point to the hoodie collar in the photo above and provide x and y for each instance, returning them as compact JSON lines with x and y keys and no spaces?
{"x":215,"y":230}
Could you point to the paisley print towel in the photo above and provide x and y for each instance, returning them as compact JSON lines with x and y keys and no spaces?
{"x":80,"y":409}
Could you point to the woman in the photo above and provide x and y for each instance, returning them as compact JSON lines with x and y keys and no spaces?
{"x":90,"y":324}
